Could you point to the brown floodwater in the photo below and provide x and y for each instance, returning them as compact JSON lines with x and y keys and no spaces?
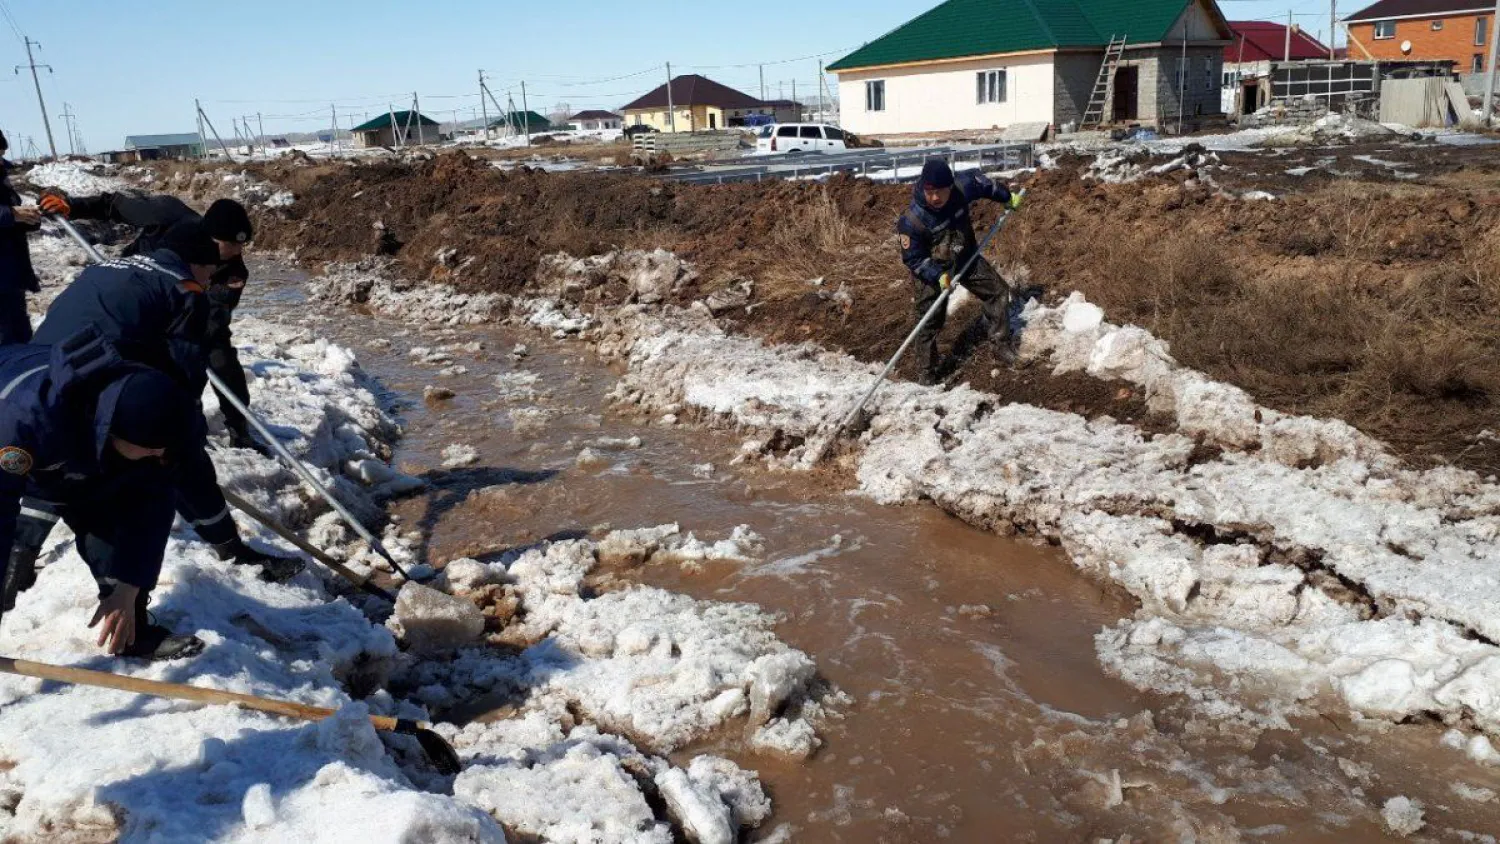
{"x":976,"y":709}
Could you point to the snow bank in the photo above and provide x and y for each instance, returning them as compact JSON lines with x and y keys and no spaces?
{"x":82,"y":762}
{"x":1305,"y":568}
{"x":365,"y":283}
{"x":72,"y":177}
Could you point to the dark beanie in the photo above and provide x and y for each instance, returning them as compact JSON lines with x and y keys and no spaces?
{"x":228,"y":220}
{"x":937,"y":174}
{"x":192,"y":242}
{"x":151,"y":411}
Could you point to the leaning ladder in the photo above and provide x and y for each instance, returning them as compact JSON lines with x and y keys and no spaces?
{"x":1104,"y":86}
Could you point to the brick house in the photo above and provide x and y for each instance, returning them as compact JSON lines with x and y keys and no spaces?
{"x":1452,"y":30}
{"x":989,"y":64}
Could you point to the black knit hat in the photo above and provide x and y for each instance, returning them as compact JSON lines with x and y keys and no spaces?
{"x":937,"y":174}
{"x":192,"y":242}
{"x":151,"y":411}
{"x":228,"y":220}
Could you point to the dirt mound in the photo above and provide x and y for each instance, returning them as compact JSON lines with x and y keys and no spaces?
{"x":1375,"y":302}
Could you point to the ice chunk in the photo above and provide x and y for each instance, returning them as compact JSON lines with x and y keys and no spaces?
{"x":697,"y":808}
{"x":467,"y":575}
{"x":459,"y":455}
{"x":773,"y":678}
{"x":1082,"y":316}
{"x":430,"y":620}
{"x":1402,"y":815}
{"x":794,"y":739}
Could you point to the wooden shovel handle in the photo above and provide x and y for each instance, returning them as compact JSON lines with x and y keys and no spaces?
{"x":178,"y":691}
{"x":360,"y":581}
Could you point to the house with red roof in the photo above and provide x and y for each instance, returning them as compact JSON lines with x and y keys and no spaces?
{"x":1248,"y":59}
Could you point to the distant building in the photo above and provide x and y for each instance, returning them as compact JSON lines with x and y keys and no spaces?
{"x":180,"y":145}
{"x":1247,"y":62}
{"x":1442,"y":30}
{"x":784,"y":111}
{"x":989,"y":64}
{"x":595,"y":121}
{"x":523,"y":121}
{"x":391,"y":129}
{"x":697,"y":103}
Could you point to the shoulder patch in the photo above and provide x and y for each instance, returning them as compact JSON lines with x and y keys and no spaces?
{"x":15,"y":460}
{"x":905,"y":241}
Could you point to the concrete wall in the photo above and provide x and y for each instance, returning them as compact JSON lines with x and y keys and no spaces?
{"x":1454,"y":41}
{"x":1196,"y":24}
{"x":941,"y":96}
{"x":1073,"y":85}
{"x":1160,"y":93}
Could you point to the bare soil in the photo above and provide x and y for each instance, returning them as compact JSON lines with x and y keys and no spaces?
{"x":1368,"y":291}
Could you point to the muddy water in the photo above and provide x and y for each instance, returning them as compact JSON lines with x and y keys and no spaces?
{"x":977,"y":710}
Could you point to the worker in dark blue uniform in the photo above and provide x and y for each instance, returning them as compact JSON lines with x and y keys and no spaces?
{"x":17,"y":278}
{"x":81,"y":426}
{"x":937,"y":238}
{"x":229,"y":224}
{"x":152,"y":308}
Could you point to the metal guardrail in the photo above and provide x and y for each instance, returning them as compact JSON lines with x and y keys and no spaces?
{"x":858,"y":162}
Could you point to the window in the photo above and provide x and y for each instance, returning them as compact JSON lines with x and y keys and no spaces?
{"x":1481,"y":31}
{"x":1181,"y":78}
{"x":1208,"y":73}
{"x":1384,"y":30}
{"x":812,"y":132}
{"x":766,"y":131}
{"x":875,"y":95}
{"x":1437,"y":26}
{"x":786,"y":132}
{"x":1476,"y":65}
{"x":989,"y":87}
{"x":834,"y":134}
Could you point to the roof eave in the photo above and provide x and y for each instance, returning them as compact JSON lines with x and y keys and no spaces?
{"x":1355,"y":18}
{"x":956,"y":59}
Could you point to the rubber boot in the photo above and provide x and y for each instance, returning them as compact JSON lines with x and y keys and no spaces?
{"x":20,"y":575}
{"x":273,"y":569}
{"x":239,"y":437}
{"x":154,"y":642}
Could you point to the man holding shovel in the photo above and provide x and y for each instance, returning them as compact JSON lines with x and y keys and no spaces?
{"x":228,"y":223}
{"x":81,"y":426}
{"x":936,"y":233}
{"x":152,"y":309}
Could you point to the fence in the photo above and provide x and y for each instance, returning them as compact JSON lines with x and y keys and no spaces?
{"x":899,"y":166}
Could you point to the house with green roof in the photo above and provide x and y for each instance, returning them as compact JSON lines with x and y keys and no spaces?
{"x":990,"y":64}
{"x":396,"y":128}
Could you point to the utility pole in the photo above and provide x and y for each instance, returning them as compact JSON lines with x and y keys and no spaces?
{"x":416,"y":107}
{"x":259,"y":121}
{"x":763,"y":82}
{"x":1333,"y":28}
{"x":483,"y":107}
{"x":671,"y":107}
{"x":796,"y":104}
{"x":525,"y":113}
{"x":67,"y":117}
{"x":31,"y":62}
{"x":204,"y":119}
{"x":333,"y":122}
{"x":202,"y":135}
{"x":1489,"y":74}
{"x":821,"y":116}
{"x":1287,"y":52}
{"x":395,"y":133}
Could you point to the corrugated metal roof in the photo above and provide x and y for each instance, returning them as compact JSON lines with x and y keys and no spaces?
{"x":1416,"y":8}
{"x":383,"y":120}
{"x":595,"y":114}
{"x":960,"y":28}
{"x":694,"y":90}
{"x":178,"y":139}
{"x":1266,"y":41}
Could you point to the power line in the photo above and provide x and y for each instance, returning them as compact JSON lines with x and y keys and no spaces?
{"x":11,"y":19}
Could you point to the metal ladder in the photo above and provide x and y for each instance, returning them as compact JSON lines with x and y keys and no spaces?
{"x":1104,"y":86}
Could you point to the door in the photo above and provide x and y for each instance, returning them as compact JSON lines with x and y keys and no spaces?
{"x":1127,"y":94}
{"x":713,"y":120}
{"x":1250,"y":98}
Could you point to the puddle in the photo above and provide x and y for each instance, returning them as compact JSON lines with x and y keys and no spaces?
{"x":978,"y":709}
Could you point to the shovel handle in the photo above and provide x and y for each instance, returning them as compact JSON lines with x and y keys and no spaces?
{"x":179,"y":691}
{"x":360,"y":581}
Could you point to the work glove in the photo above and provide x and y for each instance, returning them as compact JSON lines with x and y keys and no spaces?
{"x":56,"y":202}
{"x":944,"y":281}
{"x":1015,"y":201}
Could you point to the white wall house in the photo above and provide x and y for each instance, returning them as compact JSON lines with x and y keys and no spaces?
{"x":1038,"y":63}
{"x":968,"y":93}
{"x":595,"y":121}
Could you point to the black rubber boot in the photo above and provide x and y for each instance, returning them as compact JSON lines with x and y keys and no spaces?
{"x":154,"y":642}
{"x":273,"y":569}
{"x":241,"y":438}
{"x":20,"y":575}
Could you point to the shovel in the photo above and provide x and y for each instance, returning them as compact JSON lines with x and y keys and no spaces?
{"x":441,"y":754}
{"x":360,"y":581}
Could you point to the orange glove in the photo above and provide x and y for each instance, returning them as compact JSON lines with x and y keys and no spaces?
{"x":56,"y":202}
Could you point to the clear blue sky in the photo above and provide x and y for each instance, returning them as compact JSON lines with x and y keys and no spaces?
{"x":135,"y":68}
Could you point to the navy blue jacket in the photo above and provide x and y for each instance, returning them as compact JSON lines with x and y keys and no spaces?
{"x":15,"y":253}
{"x":919,"y":226}
{"x":54,"y":423}
{"x":148,"y":306}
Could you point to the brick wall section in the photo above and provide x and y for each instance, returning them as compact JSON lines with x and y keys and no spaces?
{"x":1455,"y":41}
{"x":1159,"y":89}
